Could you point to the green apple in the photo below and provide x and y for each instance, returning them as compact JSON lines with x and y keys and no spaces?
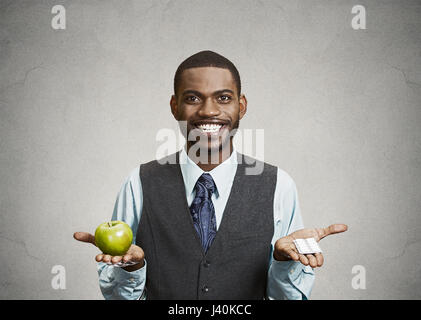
{"x":114,"y":237}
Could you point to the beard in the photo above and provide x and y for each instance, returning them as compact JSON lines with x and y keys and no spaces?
{"x":208,"y":148}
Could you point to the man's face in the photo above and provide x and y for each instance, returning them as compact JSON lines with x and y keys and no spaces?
{"x":208,"y":100}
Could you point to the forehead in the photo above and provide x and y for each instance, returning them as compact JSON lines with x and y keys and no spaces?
{"x":207,"y":79}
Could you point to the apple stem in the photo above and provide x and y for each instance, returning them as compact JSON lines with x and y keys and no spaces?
{"x":109,"y":224}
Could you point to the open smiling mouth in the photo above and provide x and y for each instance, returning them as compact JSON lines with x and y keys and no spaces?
{"x":210,"y":128}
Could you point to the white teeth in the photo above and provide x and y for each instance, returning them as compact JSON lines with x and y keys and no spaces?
{"x":209,"y":127}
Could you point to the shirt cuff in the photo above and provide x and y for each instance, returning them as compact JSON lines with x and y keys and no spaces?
{"x":294,"y":279}
{"x":122,"y":276}
{"x":289,"y":269}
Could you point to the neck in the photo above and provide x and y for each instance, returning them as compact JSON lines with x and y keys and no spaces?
{"x":212,"y":162}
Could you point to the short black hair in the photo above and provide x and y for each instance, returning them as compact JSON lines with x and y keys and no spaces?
{"x":207,"y":59}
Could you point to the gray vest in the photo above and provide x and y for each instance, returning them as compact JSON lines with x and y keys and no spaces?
{"x":236,"y":264}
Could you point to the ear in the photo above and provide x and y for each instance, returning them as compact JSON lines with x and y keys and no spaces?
{"x":174,"y":107}
{"x":243,"y":106}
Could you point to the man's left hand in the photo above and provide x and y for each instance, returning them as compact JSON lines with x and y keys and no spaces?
{"x":285,"y":248}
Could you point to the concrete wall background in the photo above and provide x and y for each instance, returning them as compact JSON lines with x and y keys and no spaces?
{"x":341,"y":109}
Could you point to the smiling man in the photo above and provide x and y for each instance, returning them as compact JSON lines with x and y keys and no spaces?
{"x":207,"y":101}
{"x":205,"y":229}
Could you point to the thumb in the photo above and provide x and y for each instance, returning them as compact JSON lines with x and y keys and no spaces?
{"x":332,"y":229}
{"x":84,"y":237}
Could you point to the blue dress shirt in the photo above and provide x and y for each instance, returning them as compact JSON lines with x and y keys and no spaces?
{"x":286,"y":279}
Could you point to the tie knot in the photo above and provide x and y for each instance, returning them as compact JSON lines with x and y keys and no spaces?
{"x":205,"y":181}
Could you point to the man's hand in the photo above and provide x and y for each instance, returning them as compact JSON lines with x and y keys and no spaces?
{"x":285,"y":248}
{"x":135,"y":253}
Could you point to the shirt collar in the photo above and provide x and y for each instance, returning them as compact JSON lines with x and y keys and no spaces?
{"x":222,"y":175}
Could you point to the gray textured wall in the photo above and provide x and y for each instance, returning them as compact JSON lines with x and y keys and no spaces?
{"x":341,"y":109}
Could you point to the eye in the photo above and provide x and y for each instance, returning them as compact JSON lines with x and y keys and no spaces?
{"x":224,"y":98}
{"x":191,"y":99}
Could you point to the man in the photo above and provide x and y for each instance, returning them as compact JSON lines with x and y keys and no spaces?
{"x":204,"y":228}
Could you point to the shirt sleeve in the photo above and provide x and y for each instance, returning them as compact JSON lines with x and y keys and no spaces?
{"x":287,"y":279}
{"x":116,"y":283}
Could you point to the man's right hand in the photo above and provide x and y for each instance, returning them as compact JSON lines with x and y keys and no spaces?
{"x":134,"y":254}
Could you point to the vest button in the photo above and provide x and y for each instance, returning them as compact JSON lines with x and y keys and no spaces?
{"x":206,"y":264}
{"x":205,"y":289}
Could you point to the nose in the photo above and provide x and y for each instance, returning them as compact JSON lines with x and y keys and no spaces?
{"x":209,"y":109}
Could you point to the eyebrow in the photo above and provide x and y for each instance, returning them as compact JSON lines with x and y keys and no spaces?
{"x":197,"y":93}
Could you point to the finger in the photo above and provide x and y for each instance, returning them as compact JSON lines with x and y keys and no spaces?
{"x":319,"y":258}
{"x":312,"y":260}
{"x":99,"y":257}
{"x":303,"y":259}
{"x":292,"y":255}
{"x":137,"y":253}
{"x":127,"y":257}
{"x":106,"y":258}
{"x":84,"y":237}
{"x":332,"y":229}
{"x":116,"y":259}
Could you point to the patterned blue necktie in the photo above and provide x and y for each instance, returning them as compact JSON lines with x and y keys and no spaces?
{"x":203,"y":211}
